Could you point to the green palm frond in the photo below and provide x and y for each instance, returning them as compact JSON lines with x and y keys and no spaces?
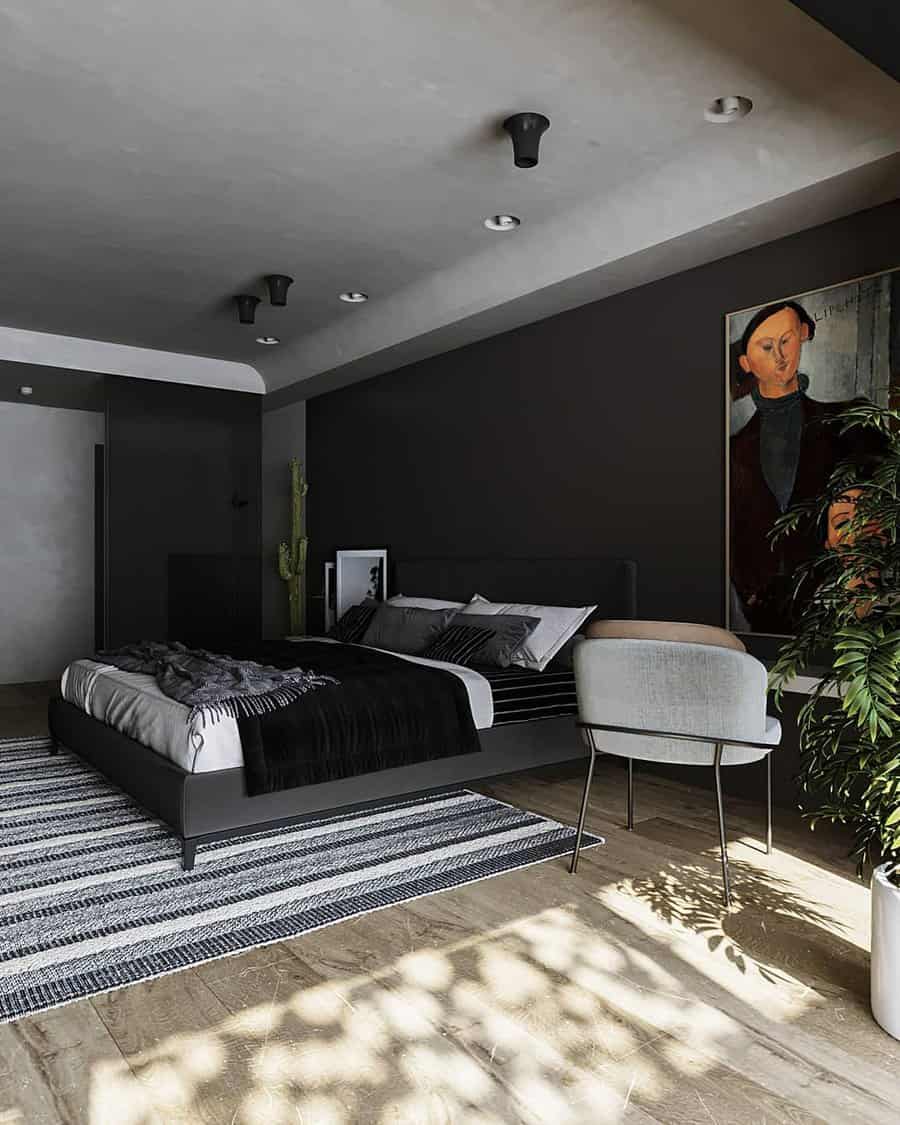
{"x":850,"y":746}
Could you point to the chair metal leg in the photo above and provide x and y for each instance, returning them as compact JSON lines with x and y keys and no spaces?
{"x":768,"y":804}
{"x":573,"y":866}
{"x":723,"y":842}
{"x":629,"y":822}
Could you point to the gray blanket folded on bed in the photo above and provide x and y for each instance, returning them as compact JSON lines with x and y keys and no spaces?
{"x":214,"y":686}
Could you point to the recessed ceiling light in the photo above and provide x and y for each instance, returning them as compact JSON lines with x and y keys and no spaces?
{"x":725,"y":110}
{"x":26,"y":391}
{"x":502,"y":222}
{"x":354,"y":297}
{"x":268,"y":340}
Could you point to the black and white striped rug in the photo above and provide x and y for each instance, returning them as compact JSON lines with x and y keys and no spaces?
{"x":92,"y":895}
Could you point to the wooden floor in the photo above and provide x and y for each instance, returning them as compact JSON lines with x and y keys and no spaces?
{"x":624,"y":993}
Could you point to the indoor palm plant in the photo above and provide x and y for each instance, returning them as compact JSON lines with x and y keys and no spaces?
{"x":848,"y":599}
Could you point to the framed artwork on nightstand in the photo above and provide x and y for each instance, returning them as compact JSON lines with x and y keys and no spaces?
{"x":329,"y":596}
{"x":359,"y":574}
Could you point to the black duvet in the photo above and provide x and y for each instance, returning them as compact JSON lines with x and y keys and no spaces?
{"x":382,"y":712}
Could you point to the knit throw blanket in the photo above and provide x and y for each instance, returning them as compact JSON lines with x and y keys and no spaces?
{"x":214,"y":686}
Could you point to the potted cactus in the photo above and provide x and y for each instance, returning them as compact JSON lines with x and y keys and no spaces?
{"x":850,"y":752}
{"x":292,"y":556}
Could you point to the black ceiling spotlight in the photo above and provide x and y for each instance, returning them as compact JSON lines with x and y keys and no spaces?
{"x":278,"y":286}
{"x":526,"y":130}
{"x":246,"y":304}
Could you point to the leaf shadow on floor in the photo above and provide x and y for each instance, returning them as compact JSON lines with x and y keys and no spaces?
{"x":770,"y":928}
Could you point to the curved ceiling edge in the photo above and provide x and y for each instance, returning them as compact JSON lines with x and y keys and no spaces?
{"x":50,"y":350}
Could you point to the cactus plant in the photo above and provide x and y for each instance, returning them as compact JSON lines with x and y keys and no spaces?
{"x":292,"y":556}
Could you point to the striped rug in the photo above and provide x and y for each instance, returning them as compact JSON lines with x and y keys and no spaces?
{"x":92,"y":895}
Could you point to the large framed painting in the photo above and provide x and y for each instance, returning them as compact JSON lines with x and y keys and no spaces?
{"x":790,"y":365}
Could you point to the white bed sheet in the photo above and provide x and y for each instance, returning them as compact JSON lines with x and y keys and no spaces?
{"x":133,"y":705}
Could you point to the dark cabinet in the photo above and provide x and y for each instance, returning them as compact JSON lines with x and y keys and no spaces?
{"x":183,"y":506}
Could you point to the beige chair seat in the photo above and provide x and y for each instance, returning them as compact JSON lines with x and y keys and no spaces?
{"x":678,"y":631}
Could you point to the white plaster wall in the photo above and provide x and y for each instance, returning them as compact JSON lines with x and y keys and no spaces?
{"x":283,"y":437}
{"x":46,"y":538}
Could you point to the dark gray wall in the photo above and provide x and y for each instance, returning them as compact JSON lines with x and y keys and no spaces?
{"x":283,"y":437}
{"x":52,"y":386}
{"x":870,"y":27}
{"x":598,"y":431}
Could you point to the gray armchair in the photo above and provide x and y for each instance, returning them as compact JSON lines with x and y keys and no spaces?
{"x":676,"y":702}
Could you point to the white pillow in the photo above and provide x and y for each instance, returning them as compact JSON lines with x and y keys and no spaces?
{"x":558,"y":624}
{"x":424,"y":603}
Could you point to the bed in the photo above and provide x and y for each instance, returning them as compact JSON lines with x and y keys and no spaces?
{"x":530,"y":714}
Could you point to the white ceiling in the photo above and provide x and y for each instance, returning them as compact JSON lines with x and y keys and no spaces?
{"x":158,"y":158}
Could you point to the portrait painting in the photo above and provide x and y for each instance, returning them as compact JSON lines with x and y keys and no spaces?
{"x":792,"y":365}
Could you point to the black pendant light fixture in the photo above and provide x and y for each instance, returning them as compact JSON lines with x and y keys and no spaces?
{"x":246,"y":304}
{"x":278,"y":284}
{"x":526,"y":130}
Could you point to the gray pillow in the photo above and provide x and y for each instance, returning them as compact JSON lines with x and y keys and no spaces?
{"x":403,"y":628}
{"x":509,"y":632}
{"x":352,"y":626}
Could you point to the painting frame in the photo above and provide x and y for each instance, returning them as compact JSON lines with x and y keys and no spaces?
{"x":893,"y":272}
{"x":354,"y":575}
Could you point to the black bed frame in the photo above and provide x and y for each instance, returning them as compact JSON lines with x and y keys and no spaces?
{"x":201,"y":807}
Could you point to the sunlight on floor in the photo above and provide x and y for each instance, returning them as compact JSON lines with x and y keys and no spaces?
{"x":113,"y":1096}
{"x":548,"y":1016}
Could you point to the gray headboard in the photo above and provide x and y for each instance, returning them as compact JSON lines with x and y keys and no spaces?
{"x":611,"y":584}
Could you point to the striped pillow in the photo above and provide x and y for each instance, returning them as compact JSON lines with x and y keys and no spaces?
{"x":352,"y":626}
{"x":458,"y":644}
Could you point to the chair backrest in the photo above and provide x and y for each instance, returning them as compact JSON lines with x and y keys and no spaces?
{"x":670,"y":686}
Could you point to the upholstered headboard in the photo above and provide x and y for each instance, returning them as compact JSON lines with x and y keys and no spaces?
{"x":611,"y":584}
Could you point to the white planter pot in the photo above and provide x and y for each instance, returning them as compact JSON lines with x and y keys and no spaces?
{"x":886,"y":951}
